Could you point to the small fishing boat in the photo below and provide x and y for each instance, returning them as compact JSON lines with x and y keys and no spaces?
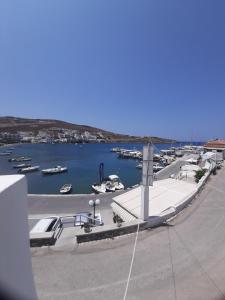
{"x":20,"y":166}
{"x":115,"y":182}
{"x":6,"y":153}
{"x":55,"y":170}
{"x":110,"y":187}
{"x":28,"y":169}
{"x":116,"y":149}
{"x":66,"y":189}
{"x":157,"y":167}
{"x":99,"y":188}
{"x":139,"y":166}
{"x":19,"y":159}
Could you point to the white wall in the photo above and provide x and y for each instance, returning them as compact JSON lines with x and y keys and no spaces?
{"x":16,"y":276}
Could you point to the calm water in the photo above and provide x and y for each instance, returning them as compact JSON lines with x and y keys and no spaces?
{"x":82,"y":162}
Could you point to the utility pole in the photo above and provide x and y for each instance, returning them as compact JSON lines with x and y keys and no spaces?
{"x":147,"y":180}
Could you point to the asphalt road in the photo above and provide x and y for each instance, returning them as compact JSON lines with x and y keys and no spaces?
{"x":184,"y":260}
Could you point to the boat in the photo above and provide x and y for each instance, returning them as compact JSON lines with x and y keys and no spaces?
{"x":22,"y":166}
{"x":99,"y":188}
{"x":28,"y":169}
{"x":66,"y":189}
{"x":55,"y":170}
{"x":139,"y":166}
{"x":19,"y":159}
{"x":116,"y":149}
{"x":110,"y":187}
{"x":157,"y":167}
{"x":156,"y":157}
{"x":6,"y":153}
{"x":115,"y":181}
{"x":24,"y":159}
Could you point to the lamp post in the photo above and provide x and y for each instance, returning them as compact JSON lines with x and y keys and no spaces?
{"x":94,"y":203}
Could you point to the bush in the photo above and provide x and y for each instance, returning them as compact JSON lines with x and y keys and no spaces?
{"x":199,"y":174}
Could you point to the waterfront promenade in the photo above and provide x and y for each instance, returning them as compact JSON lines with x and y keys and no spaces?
{"x":184,"y":260}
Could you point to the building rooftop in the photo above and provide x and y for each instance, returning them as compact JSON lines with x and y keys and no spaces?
{"x":215,"y":144}
{"x":162,"y":195}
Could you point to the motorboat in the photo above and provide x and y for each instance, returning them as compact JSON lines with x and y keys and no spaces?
{"x":115,"y":181}
{"x":6,"y":153}
{"x":99,"y":188}
{"x":24,"y":159}
{"x":116,"y":149}
{"x":20,"y":166}
{"x":157,"y":167}
{"x":28,"y":169}
{"x":55,"y":170}
{"x":157,"y":157}
{"x":66,"y":189}
{"x":19,"y":159}
{"x":110,"y":187}
{"x":139,"y":166}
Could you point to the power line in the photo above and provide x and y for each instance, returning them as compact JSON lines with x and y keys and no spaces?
{"x":131,"y":264}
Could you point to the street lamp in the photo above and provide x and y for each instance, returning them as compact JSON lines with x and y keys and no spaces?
{"x":94,"y":203}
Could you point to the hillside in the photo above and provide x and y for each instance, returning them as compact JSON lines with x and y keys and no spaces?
{"x":14,"y":125}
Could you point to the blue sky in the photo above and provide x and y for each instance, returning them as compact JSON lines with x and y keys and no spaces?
{"x":140,"y":67}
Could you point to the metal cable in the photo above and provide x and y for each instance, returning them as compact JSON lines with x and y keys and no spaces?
{"x":131,"y":264}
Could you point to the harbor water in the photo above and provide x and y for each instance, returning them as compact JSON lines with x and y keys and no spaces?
{"x":82,"y":161}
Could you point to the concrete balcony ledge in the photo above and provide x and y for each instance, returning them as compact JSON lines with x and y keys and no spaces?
{"x":42,"y":239}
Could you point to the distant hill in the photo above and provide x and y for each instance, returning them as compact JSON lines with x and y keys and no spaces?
{"x":13,"y":125}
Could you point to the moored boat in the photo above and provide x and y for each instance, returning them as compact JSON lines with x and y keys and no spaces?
{"x":116,"y":149}
{"x":6,"y":153}
{"x":139,"y":166}
{"x":55,"y":170}
{"x":20,"y":166}
{"x":28,"y":169}
{"x":99,"y":188}
{"x":157,"y":167}
{"x":66,"y":189}
{"x":19,"y":159}
{"x":115,"y":181}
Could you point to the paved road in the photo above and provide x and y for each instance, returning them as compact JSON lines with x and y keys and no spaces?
{"x":43,"y":206}
{"x":185,"y":260}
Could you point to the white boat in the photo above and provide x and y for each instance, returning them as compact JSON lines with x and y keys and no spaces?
{"x":115,"y":181}
{"x":157,"y":167}
{"x":99,"y":188}
{"x":139,"y":166}
{"x":5,"y":153}
{"x":110,"y":187}
{"x":111,"y":184}
{"x":19,"y":159}
{"x":116,"y":149}
{"x":29,"y":169}
{"x":66,"y":189}
{"x":55,"y":170}
{"x":20,"y":166}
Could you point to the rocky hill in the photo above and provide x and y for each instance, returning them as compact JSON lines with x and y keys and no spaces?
{"x":13,"y":125}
